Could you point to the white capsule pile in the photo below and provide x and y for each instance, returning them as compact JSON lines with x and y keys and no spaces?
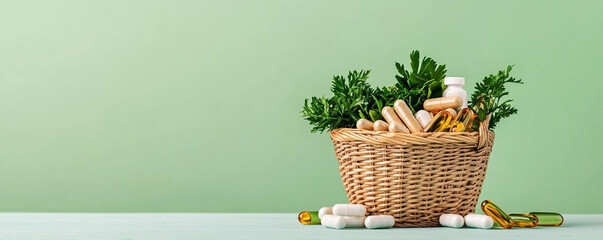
{"x":352,"y":216}
{"x":470,"y":220}
{"x":325,"y":211}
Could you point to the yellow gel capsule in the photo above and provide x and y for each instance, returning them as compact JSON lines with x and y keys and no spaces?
{"x":463,"y":122}
{"x":498,"y":215}
{"x":524,"y":220}
{"x":440,"y":122}
{"x":308,"y":218}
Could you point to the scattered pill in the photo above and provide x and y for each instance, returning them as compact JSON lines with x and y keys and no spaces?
{"x":436,"y":104}
{"x":405,"y":114}
{"x":524,"y":220}
{"x":497,"y":214}
{"x":397,"y":127}
{"x":332,"y":221}
{"x":423,"y":117}
{"x":478,"y":221}
{"x":349,"y":210}
{"x":325,"y":211}
{"x":379,"y":221}
{"x":364,"y":124}
{"x":381,"y":125}
{"x":451,"y":220}
{"x":353,"y":221}
{"x":550,"y":219}
{"x":308,"y":217}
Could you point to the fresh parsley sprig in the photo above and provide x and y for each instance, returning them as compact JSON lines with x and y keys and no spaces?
{"x":349,"y":103}
{"x":353,"y":98}
{"x":486,"y":99}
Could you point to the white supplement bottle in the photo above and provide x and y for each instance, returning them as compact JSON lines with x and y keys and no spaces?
{"x":455,"y":89}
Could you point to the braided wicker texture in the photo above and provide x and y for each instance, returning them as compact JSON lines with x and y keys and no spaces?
{"x":413,"y":177}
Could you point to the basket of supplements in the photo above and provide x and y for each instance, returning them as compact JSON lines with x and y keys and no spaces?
{"x":417,"y":149}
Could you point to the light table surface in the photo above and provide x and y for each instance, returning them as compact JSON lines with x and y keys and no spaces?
{"x":183,"y":226}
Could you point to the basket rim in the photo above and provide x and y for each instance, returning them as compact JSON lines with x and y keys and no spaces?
{"x":389,"y":138}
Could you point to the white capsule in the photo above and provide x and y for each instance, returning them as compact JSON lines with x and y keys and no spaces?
{"x":354,"y":222}
{"x":332,"y":221}
{"x":423,"y":117}
{"x":325,"y":211}
{"x":349,"y":210}
{"x":379,"y":221}
{"x":479,"y":221}
{"x":451,"y":220}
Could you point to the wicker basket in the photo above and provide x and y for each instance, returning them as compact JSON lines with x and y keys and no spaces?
{"x":413,"y":177}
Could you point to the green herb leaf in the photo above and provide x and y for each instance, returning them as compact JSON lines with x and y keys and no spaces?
{"x":488,"y":94}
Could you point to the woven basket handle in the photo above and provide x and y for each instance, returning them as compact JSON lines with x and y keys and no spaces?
{"x":483,"y":133}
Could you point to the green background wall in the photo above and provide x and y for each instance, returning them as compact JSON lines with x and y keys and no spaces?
{"x":158,"y":106}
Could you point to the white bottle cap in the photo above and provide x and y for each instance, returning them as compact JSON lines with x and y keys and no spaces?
{"x":454,"y":80}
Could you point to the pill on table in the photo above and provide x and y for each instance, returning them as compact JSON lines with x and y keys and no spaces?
{"x":423,"y":117}
{"x":451,"y":220}
{"x":405,"y":114}
{"x":396,"y":127}
{"x":349,"y":210}
{"x":308,"y":217}
{"x":548,"y":219}
{"x":353,"y":221}
{"x":381,"y":125}
{"x":479,"y":221}
{"x":332,"y":221}
{"x":497,"y":214}
{"x":524,"y":220}
{"x":379,"y":221}
{"x":364,"y":124}
{"x":325,"y":211}
{"x":436,"y":104}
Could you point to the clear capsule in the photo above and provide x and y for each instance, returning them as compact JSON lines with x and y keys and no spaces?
{"x":498,"y":215}
{"x":308,"y":218}
{"x":463,"y":122}
{"x":548,"y":219}
{"x":440,"y":122}
{"x":524,"y":220}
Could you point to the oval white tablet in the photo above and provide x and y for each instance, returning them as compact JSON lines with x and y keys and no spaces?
{"x":423,"y":117}
{"x":379,"y":221}
{"x":332,"y":221}
{"x":324,"y":211}
{"x":353,"y":222}
{"x":479,"y":221}
{"x":451,"y":220}
{"x":349,"y":210}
